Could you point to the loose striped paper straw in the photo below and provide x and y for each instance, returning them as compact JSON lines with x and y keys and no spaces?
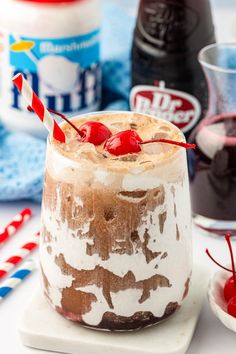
{"x":16,"y":279}
{"x":14,"y":225}
{"x":18,"y":257}
{"x":36,"y":104}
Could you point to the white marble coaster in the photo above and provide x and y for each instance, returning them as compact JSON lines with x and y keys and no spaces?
{"x":42,"y":328}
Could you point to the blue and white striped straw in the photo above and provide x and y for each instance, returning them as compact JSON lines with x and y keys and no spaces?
{"x":15,"y":279}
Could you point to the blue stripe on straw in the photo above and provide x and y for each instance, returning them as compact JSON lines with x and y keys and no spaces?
{"x":4,"y":291}
{"x":21,"y":274}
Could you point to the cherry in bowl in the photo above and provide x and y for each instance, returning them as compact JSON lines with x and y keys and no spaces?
{"x":222,"y":290}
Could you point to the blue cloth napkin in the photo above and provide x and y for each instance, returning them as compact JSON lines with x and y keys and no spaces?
{"x":22,"y":156}
{"x":21,"y":166}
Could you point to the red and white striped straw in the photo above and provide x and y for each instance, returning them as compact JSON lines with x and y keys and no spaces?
{"x":36,"y":104}
{"x":14,"y":225}
{"x":18,"y":257}
{"x":16,"y":279}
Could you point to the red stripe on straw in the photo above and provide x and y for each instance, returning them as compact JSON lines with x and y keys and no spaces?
{"x":58,"y":133}
{"x":30,"y":246}
{"x":18,"y":81}
{"x":2,"y":273}
{"x":14,"y":260}
{"x":15,"y":224}
{"x":37,"y":106}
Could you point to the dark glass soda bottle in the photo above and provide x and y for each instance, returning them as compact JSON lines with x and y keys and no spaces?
{"x":167,"y":79}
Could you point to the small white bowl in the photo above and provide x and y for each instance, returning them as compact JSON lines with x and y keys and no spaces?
{"x":217,"y":301}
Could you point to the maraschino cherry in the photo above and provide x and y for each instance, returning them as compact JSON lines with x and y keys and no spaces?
{"x":231,"y":308}
{"x":230,"y":284}
{"x":122,"y":143}
{"x":128,"y":142}
{"x":229,"y":289}
{"x":94,"y":132}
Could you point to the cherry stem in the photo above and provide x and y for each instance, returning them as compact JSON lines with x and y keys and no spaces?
{"x":227,"y":237}
{"x":67,"y":121}
{"x":166,"y":141}
{"x":30,"y":109}
{"x":217,"y":263}
{"x":63,"y":117}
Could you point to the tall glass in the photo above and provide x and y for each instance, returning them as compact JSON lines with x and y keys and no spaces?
{"x":213,"y":163}
{"x":116,"y":231}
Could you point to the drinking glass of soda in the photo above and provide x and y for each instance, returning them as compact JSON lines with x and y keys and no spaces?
{"x":115,"y":250}
{"x":212,"y":166}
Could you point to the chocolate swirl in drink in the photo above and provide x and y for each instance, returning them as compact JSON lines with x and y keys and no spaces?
{"x":116,"y":230}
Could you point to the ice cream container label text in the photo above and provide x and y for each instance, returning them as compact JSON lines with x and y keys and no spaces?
{"x":64,"y":72}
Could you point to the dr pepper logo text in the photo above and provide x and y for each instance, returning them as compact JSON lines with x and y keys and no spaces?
{"x":177,"y":107}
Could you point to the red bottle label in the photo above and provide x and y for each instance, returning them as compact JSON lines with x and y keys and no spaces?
{"x":179,"y":108}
